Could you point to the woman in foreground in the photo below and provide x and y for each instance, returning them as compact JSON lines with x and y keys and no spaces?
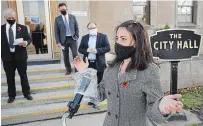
{"x":131,"y":84}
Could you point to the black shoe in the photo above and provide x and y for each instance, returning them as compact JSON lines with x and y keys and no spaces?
{"x":92,"y":104}
{"x":29,"y":97}
{"x":68,"y":73}
{"x":95,"y":106}
{"x":11,"y":99}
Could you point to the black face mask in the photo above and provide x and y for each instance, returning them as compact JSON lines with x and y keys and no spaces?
{"x":11,"y":22}
{"x":123,"y":52}
{"x":63,"y":12}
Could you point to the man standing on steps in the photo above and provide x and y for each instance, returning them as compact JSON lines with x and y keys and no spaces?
{"x":66,"y":34}
{"x":94,"y":46}
{"x":15,"y":56}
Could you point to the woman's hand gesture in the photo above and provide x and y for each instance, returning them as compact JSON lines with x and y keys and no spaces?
{"x":79,"y":64}
{"x":169,"y":104}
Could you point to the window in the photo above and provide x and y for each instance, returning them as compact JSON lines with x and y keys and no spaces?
{"x":141,"y":11}
{"x":186,"y":11}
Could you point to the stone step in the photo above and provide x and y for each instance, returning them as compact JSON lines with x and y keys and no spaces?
{"x":42,"y":112}
{"x":41,"y":87}
{"x":39,"y":78}
{"x":39,"y":72}
{"x":38,"y":99}
{"x":51,"y":91}
{"x":50,"y":68}
{"x":41,"y":69}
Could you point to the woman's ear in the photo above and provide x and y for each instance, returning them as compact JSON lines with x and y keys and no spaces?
{"x":134,"y":44}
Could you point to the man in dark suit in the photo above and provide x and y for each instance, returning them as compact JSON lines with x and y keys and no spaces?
{"x":66,"y":34}
{"x":94,"y":46}
{"x":15,"y":56}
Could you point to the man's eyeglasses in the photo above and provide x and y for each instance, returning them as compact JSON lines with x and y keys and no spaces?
{"x":92,"y":28}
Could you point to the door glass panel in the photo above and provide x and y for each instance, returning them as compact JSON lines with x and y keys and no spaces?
{"x":35,"y":21}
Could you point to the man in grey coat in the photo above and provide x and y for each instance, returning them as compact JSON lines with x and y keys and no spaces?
{"x":66,"y":34}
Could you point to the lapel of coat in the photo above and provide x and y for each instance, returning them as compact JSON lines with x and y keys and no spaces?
{"x":69,"y":18}
{"x":4,"y":32}
{"x":87,"y":40}
{"x":98,"y":40}
{"x":18,"y":31}
{"x":127,"y":76}
{"x":61,"y":18}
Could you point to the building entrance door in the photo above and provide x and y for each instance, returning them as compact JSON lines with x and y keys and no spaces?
{"x":35,"y":15}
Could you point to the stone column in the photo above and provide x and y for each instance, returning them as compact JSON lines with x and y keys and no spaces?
{"x":163,"y":12}
{"x":108,"y":14}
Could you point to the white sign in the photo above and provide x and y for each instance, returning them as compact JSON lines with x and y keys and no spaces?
{"x":35,"y":19}
{"x":79,"y":13}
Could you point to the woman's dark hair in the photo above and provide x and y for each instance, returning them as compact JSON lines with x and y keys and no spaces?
{"x":61,"y":4}
{"x":143,"y":54}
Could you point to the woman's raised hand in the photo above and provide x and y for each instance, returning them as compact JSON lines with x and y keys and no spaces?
{"x":79,"y":64}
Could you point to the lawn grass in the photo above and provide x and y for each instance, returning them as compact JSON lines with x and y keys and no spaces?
{"x":193,"y":124}
{"x":192,"y":98}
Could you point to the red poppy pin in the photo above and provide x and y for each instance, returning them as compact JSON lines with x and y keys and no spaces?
{"x":98,"y":35}
{"x":19,"y":29}
{"x":125,"y":84}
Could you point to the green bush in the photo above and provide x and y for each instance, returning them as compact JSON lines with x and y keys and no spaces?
{"x":166,"y":26}
{"x":163,"y":28}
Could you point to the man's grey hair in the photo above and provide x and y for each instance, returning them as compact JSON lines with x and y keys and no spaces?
{"x":9,"y":11}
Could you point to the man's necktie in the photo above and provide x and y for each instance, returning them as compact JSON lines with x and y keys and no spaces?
{"x":67,"y":27}
{"x":11,"y":38}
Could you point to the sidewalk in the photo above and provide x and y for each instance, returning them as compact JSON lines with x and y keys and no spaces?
{"x":199,"y":113}
{"x":83,"y":120}
{"x":97,"y":120}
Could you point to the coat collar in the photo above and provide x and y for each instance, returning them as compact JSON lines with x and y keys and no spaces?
{"x":18,"y":30}
{"x":69,"y":17}
{"x":127,"y":76}
{"x":97,"y":41}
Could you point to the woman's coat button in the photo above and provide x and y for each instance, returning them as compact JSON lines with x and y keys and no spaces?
{"x":116,"y":116}
{"x":117,"y":95}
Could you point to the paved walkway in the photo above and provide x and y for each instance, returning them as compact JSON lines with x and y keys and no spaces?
{"x":199,"y":113}
{"x":97,"y":120}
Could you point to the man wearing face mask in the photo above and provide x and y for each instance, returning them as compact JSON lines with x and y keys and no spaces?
{"x":94,"y":46}
{"x":15,"y":56}
{"x":66,"y":34}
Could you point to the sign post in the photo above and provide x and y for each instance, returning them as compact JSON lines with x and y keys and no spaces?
{"x":175,"y":46}
{"x":174,"y":77}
